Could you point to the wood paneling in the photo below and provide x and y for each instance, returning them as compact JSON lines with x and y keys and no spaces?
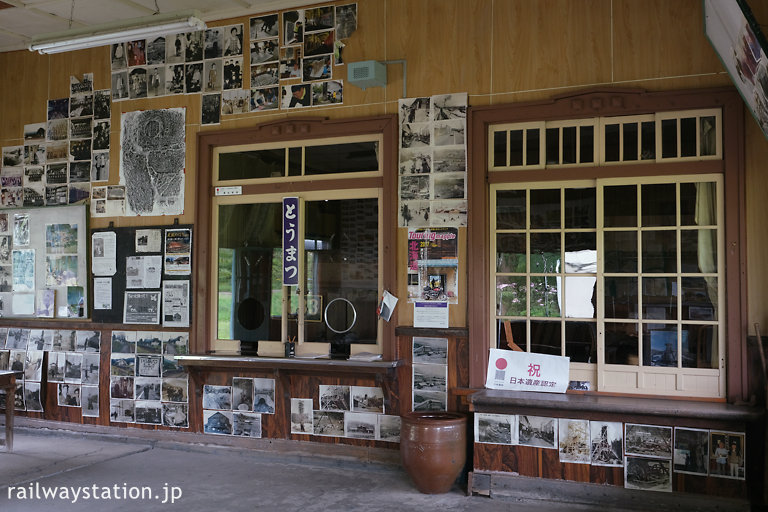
{"x":756,"y":153}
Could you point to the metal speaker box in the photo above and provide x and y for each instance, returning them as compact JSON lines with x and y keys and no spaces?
{"x":368,"y":73}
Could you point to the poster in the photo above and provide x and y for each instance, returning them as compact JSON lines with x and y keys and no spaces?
{"x":176,"y":303}
{"x":433,"y":265}
{"x":178,"y":251}
{"x":104,"y":253}
{"x":141,"y":308}
{"x":102,"y":293}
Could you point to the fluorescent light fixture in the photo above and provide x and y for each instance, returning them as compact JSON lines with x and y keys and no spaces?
{"x":118,"y":32}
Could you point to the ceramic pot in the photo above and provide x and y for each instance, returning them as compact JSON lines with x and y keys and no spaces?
{"x":433,"y":449}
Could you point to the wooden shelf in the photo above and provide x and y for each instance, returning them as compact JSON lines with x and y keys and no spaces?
{"x":324,"y":365}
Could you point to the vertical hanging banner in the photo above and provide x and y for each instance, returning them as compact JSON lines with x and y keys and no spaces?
{"x":290,"y":241}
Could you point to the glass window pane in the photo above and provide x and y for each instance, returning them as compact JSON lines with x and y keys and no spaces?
{"x":516,"y":147}
{"x":708,"y":136}
{"x":510,"y":252}
{"x":545,"y":209}
{"x":545,"y":338}
{"x":659,"y":251}
{"x":532,"y":146}
{"x":698,"y":204}
{"x":245,"y":165}
{"x":510,"y":209}
{"x":294,"y":161}
{"x":511,"y":331}
{"x":553,"y":146}
{"x":659,"y":345}
{"x":500,"y":149}
{"x":660,"y":298}
{"x":339,"y":158}
{"x":581,"y":342}
{"x":586,"y":144}
{"x":621,"y":343}
{"x":569,"y":145}
{"x":580,"y":207}
{"x":620,"y":206}
{"x":669,"y":138}
{"x":658,"y":205}
{"x":249,"y":272}
{"x":511,"y":296}
{"x":699,"y":298}
{"x":698,"y":251}
{"x":699,"y":346}
{"x":688,"y":136}
{"x":544,"y":296}
{"x":612,"y":143}
{"x":648,"y":143}
{"x":342,"y":263}
{"x":545,"y":252}
{"x":620,"y":249}
{"x":581,"y":253}
{"x":620,"y":299}
{"x":630,"y":141}
{"x":580,"y":296}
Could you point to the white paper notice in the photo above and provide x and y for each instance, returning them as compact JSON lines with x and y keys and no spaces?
{"x":430,"y":314}
{"x":175,"y":303}
{"x":23,"y":304}
{"x":104,"y":253}
{"x":143,"y":271}
{"x":148,"y":240}
{"x":525,"y":371}
{"x":102,"y":293}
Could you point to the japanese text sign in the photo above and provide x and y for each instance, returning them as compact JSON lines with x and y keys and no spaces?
{"x":290,"y":241}
{"x":524,"y":371}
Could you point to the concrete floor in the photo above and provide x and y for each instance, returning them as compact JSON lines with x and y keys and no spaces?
{"x":212,"y":478}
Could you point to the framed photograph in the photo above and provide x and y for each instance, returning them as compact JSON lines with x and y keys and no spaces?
{"x":648,"y":440}
{"x":495,"y":428}
{"x":647,"y":474}
{"x":727,"y":455}
{"x":607,"y":441}
{"x":691,"y":451}
{"x":537,"y":431}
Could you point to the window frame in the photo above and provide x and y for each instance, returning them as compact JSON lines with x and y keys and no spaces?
{"x":607,"y":102}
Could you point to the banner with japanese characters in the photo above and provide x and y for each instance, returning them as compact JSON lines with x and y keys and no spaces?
{"x":525,"y":371}
{"x":290,"y":241}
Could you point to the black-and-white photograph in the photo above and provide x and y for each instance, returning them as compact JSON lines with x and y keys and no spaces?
{"x":90,"y":401}
{"x":121,"y":387}
{"x":495,"y":428}
{"x":449,"y":106}
{"x":233,"y":73}
{"x":149,"y":342}
{"x":69,"y":395}
{"x":176,"y":415}
{"x":101,"y":135}
{"x":36,"y":340}
{"x":147,"y":388}
{"x":175,"y":46}
{"x":328,"y":423}
{"x":264,"y":75}
{"x":389,"y":428}
{"x":573,"y":439}
{"x":193,"y":46}
{"x":361,"y":425}
{"x":415,"y":135}
{"x":142,"y":308}
{"x":117,"y":57}
{"x":242,"y":394}
{"x":263,"y":52}
{"x":193,"y":78}
{"x":264,"y":395}
{"x":648,"y":440}
{"x":429,"y":400}
{"x":120,"y":85}
{"x":34,"y":154}
{"x":32,"y":396}
{"x":100,"y":166}
{"x":155,"y":81}
{"x":102,"y":104}
{"x":214,"y":41}
{"x":79,"y":193}
{"x":727,"y":454}
{"x":367,"y":399}
{"x":18,"y":397}
{"x":301,"y":415}
{"x":149,"y":412}
{"x":58,"y":130}
{"x":449,"y":133}
{"x":81,"y":105}
{"x":217,"y":397}
{"x":430,"y":377}
{"x":58,"y":152}
{"x":430,"y":350}
{"x":34,"y":132}
{"x":691,"y":451}
{"x":334,"y":398}
{"x":172,"y":369}
{"x":89,"y":373}
{"x":156,"y":50}
{"x":213,"y":72}
{"x":346,"y":20}
{"x":18,"y":338}
{"x":124,"y":341}
{"x":148,"y":366}
{"x":122,"y":365}
{"x":56,"y":363}
{"x":64,"y":340}
{"x":246,"y":424}
{"x":236,"y":101}
{"x":174,"y":79}
{"x":537,"y":431}
{"x":414,"y":187}
{"x":73,"y":365}
{"x":176,"y":343}
{"x":5,"y":358}
{"x":606,"y":438}
{"x":416,"y":161}
{"x":80,"y":149}
{"x":88,"y":341}
{"x":175,"y":390}
{"x":415,"y":110}
{"x":232,"y":42}
{"x":121,"y":411}
{"x":449,"y":186}
{"x":57,"y":109}
{"x":647,"y":474}
{"x":263,"y":27}
{"x":80,"y":172}
{"x":33,"y":366}
{"x":449,"y":159}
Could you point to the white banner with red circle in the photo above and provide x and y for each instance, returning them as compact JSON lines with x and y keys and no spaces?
{"x":525,"y":371}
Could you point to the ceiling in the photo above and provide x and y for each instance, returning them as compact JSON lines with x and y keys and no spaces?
{"x":20,"y":20}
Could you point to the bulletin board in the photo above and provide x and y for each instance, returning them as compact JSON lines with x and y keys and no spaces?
{"x":43,"y":258}
{"x":140,"y":242}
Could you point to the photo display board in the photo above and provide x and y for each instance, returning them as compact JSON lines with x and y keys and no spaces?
{"x":142,"y":275}
{"x":44,"y":262}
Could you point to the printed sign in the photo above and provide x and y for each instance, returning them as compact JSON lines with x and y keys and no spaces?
{"x":290,"y":241}
{"x":524,"y":371}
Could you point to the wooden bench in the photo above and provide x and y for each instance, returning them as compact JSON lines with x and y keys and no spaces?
{"x":8,"y":383}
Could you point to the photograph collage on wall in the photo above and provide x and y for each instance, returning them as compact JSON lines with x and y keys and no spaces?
{"x":646,"y":452}
{"x":61,"y":157}
{"x":236,"y":410}
{"x":433,"y":161}
{"x":73,"y":364}
{"x":355,"y":412}
{"x":146,"y":384}
{"x":430,"y":374}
